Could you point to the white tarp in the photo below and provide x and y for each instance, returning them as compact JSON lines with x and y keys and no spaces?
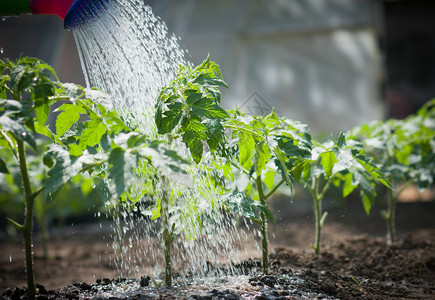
{"x":316,"y":61}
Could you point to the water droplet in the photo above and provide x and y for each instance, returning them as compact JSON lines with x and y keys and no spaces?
{"x":4,"y":19}
{"x":24,"y":134}
{"x":10,"y":258}
{"x":1,"y":50}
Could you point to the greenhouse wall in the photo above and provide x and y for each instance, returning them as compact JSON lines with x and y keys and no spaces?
{"x":316,"y":61}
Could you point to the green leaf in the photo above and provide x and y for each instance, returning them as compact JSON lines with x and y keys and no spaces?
{"x":269,"y":178}
{"x":291,"y":150}
{"x":206,"y":108}
{"x":117,"y":170}
{"x":261,"y":157}
{"x":3,"y":168}
{"x":246,"y":149}
{"x":92,"y":134}
{"x":42,"y":110}
{"x":328,"y":160}
{"x":69,"y":116}
{"x":215,"y":134}
{"x":193,"y":98}
{"x":204,"y":79}
{"x":280,"y":162}
{"x":348,"y":186}
{"x":341,"y":140}
{"x":18,"y":130}
{"x":170,"y":118}
{"x":244,"y":206}
{"x":194,"y":133}
{"x":367,"y":203}
{"x":44,"y":130}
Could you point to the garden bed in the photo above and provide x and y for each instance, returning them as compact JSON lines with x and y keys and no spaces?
{"x":354,"y":263}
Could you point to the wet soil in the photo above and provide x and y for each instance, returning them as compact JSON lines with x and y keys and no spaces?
{"x":355,"y":263}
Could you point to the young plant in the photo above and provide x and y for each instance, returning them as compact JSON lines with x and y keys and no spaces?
{"x":404,"y":151}
{"x":26,"y":94}
{"x":264,"y":147}
{"x":259,"y":147}
{"x":340,"y":162}
{"x":188,"y":112}
{"x":103,"y":145}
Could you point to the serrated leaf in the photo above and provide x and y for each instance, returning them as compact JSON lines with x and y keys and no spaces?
{"x":215,"y":134}
{"x":292,"y":150}
{"x":117,"y":170}
{"x":281,"y":165}
{"x":193,"y":98}
{"x":170,"y":118}
{"x":328,"y":160}
{"x":193,"y":135}
{"x":18,"y":130}
{"x":348,"y":185}
{"x":41,"y":112}
{"x":92,"y":134}
{"x":206,"y":108}
{"x":261,"y":157}
{"x":246,"y":146}
{"x":44,"y":130}
{"x":244,"y":206}
{"x":204,"y":79}
{"x":69,"y":116}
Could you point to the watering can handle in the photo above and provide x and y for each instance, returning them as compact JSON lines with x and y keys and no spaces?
{"x":36,"y":7}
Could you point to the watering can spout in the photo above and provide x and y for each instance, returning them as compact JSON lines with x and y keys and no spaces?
{"x":37,"y":7}
{"x":72,"y":12}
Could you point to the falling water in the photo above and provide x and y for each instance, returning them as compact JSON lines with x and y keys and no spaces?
{"x":128,"y":53}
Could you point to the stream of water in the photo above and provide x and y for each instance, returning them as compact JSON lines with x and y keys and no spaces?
{"x":128,"y":53}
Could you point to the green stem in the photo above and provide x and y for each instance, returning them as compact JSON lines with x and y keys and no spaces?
{"x":318,"y":197}
{"x":274,"y":189}
{"x":246,"y":130}
{"x":28,"y":221}
{"x":391,"y":232}
{"x":263,"y":227}
{"x":166,"y":234}
{"x":317,"y":214}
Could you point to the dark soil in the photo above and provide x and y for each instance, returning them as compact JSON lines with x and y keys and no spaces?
{"x":355,"y":263}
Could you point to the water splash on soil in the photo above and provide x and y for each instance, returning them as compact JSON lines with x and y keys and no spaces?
{"x":129,"y":54}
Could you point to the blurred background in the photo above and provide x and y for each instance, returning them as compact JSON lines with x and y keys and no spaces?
{"x":332,"y":64}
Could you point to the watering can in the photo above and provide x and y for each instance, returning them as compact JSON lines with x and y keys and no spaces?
{"x":73,"y":12}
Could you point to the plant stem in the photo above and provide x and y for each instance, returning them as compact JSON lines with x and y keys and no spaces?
{"x":274,"y":189}
{"x":317,"y":215}
{"x":166,"y":234}
{"x":28,"y":221}
{"x":263,"y":227}
{"x":391,"y":217}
